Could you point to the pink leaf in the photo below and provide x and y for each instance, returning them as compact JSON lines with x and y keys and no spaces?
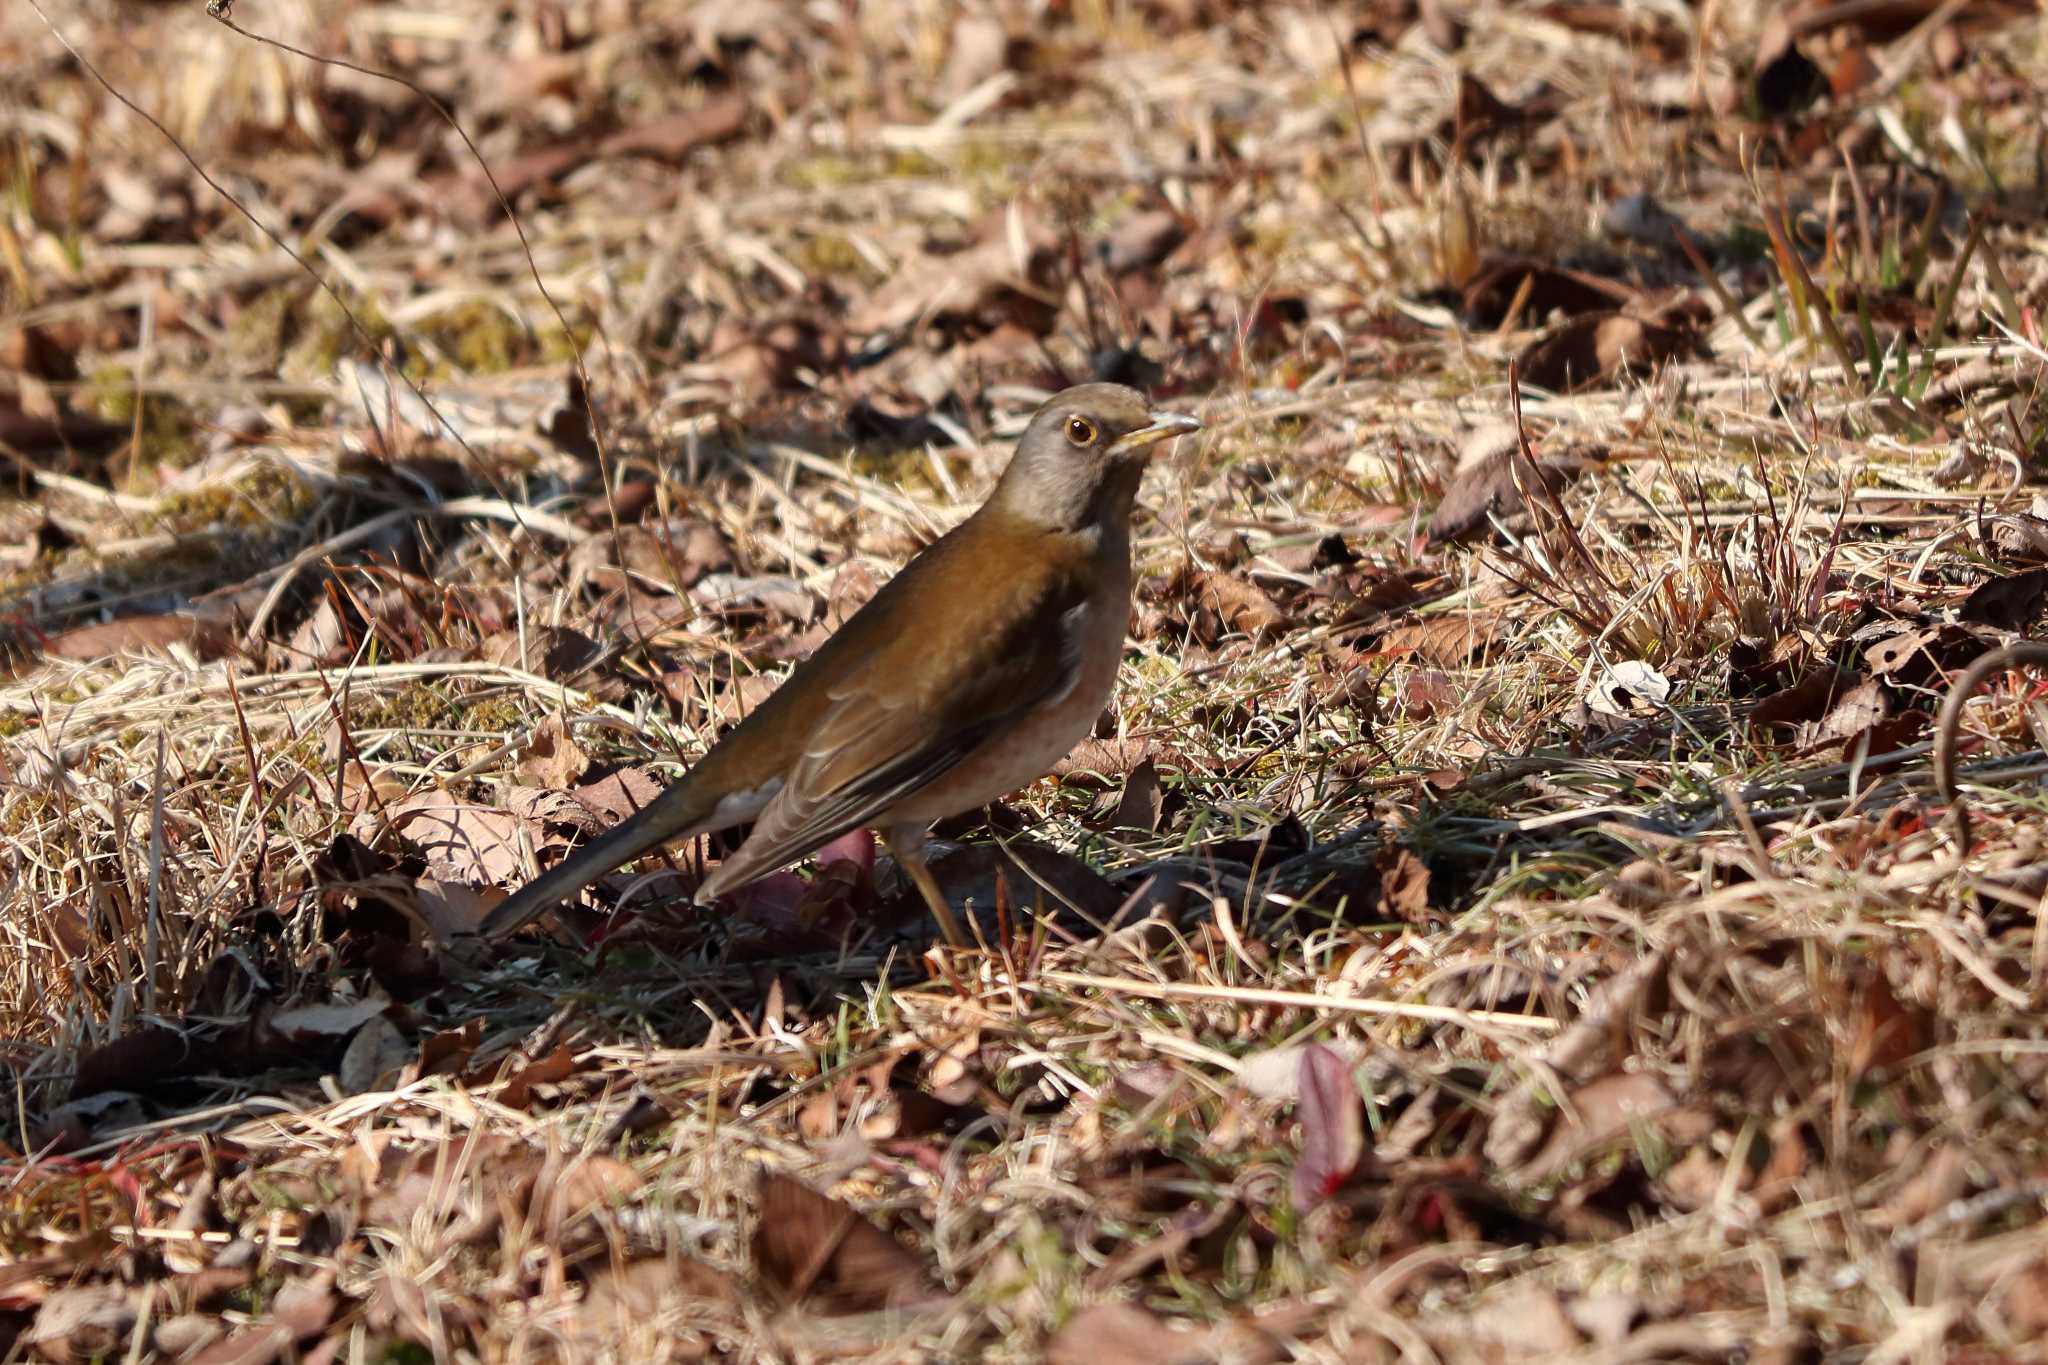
{"x":1332,"y":1126}
{"x":855,"y":846}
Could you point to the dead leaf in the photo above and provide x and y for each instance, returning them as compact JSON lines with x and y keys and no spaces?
{"x":665,"y":557}
{"x":1024,"y":876}
{"x":619,"y":794}
{"x":1274,"y":1074}
{"x":1119,"y":755}
{"x":1500,"y":283}
{"x":1595,"y":347}
{"x":773,"y":594}
{"x":86,"y":1323}
{"x":206,"y":638}
{"x":462,"y":841}
{"x":1143,"y":800}
{"x":816,"y":1251}
{"x":587,"y":1184}
{"x":619,"y":1300}
{"x":1806,"y":701}
{"x":666,"y":138}
{"x":552,"y":652}
{"x":1941,"y":1180}
{"x":1239,"y":605}
{"x":2009,"y":603}
{"x":1628,"y":688}
{"x":1332,"y":1126}
{"x":552,"y":1069}
{"x":1404,"y":888}
{"x":321,"y":1023}
{"x":447,"y":912}
{"x":375,"y":1055}
{"x":1142,"y":240}
{"x":1117,"y":1334}
{"x":1888,"y":1030}
{"x":1447,"y":639}
{"x":553,"y":759}
{"x":984,"y":285}
{"x":1491,"y":490}
{"x":1861,"y":707}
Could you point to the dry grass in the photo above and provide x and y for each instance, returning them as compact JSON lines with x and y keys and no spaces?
{"x":1684,"y":1028}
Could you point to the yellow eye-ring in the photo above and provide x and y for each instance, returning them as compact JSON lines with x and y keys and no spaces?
{"x":1080,"y":431}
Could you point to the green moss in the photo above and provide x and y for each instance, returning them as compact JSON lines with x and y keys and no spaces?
{"x":826,"y":172}
{"x":257,"y":337}
{"x":478,"y":337}
{"x":325,"y":335}
{"x":832,"y":256}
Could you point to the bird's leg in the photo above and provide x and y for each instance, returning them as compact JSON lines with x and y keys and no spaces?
{"x":907,"y":842}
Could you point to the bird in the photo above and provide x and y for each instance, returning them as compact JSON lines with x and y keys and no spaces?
{"x":968,"y":675}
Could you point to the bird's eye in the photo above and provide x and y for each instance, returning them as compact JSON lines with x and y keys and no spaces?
{"x":1080,"y":431}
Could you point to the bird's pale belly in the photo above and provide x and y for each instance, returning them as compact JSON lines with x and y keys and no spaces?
{"x":1023,"y":753}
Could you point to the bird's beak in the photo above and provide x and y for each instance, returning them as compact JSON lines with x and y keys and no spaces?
{"x":1163,"y":426}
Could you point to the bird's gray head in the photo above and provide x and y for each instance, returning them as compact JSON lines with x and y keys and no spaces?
{"x":1080,"y":460}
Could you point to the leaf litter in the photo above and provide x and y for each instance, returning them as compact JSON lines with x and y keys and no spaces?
{"x":1507,"y":908}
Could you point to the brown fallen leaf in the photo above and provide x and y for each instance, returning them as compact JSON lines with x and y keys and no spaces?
{"x":661,"y":556}
{"x":1142,"y":240}
{"x":552,"y":652}
{"x":552,"y":1069}
{"x":1227,"y":604}
{"x":668,"y":137}
{"x":1595,"y":1114}
{"x":32,"y":435}
{"x":1491,"y":491}
{"x":553,"y":759}
{"x":1549,"y":289}
{"x":1143,"y":800}
{"x":1115,"y":756}
{"x":207,"y":638}
{"x":1024,"y":876}
{"x":2009,"y":603}
{"x":1128,"y":1334}
{"x":620,"y":793}
{"x":1595,"y":347}
{"x":462,"y":841}
{"x":1404,"y":888}
{"x":814,"y":1250}
{"x":1888,"y":1030}
{"x":1446,"y":639}
{"x":1807,"y":700}
{"x":88,"y":1323}
{"x":640,"y":1295}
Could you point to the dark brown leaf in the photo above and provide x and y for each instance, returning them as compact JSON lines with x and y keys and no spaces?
{"x":814,"y":1250}
{"x":1809,"y":699}
{"x":1594,"y":347}
{"x":1143,"y":800}
{"x":2009,"y":603}
{"x":1495,"y":288}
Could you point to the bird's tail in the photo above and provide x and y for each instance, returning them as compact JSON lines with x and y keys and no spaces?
{"x":675,"y":814}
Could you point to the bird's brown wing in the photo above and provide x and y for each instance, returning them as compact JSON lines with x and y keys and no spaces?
{"x":882,"y":740}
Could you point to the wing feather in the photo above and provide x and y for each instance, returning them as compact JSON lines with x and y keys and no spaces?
{"x":879,"y":741}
